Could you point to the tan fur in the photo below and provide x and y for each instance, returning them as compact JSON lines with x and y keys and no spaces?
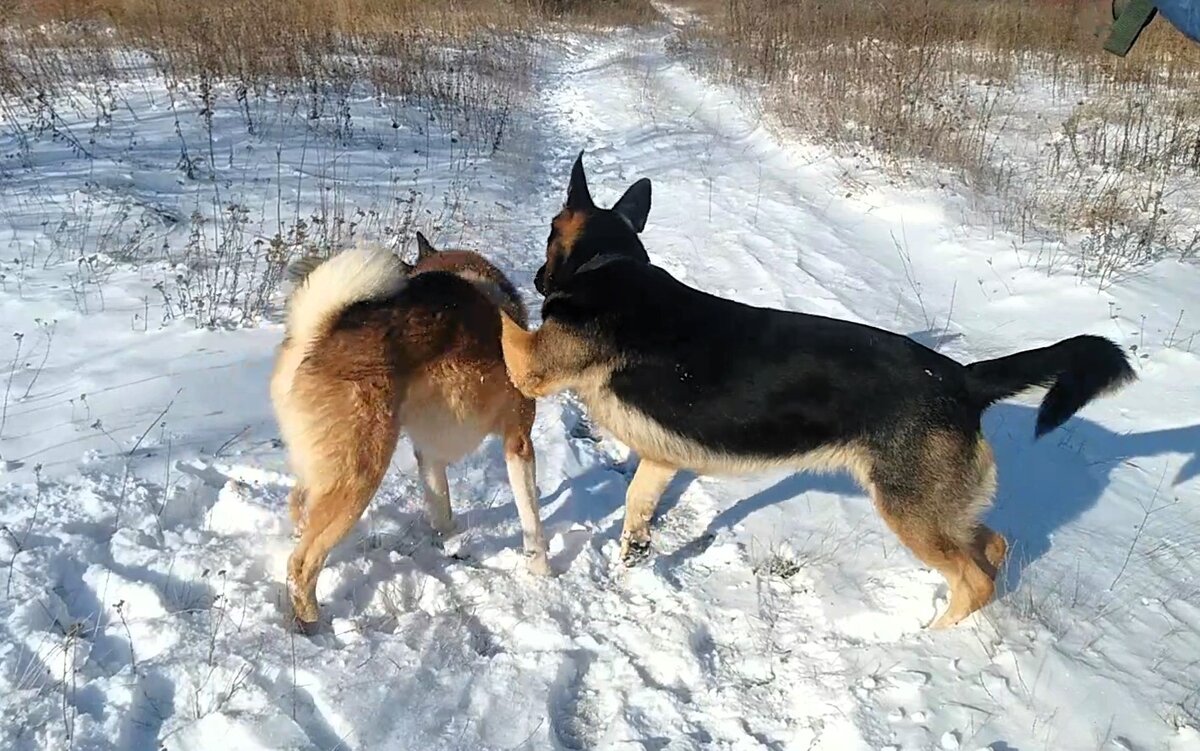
{"x":549,"y":360}
{"x":971,"y":585}
{"x":486,"y":277}
{"x":568,"y":225}
{"x":342,"y":399}
{"x":939,"y":523}
{"x":645,"y":490}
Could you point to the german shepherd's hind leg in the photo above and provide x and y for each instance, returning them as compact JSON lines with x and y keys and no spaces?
{"x":649,"y":482}
{"x":971,"y":587}
{"x":522,"y":476}
{"x":990,"y":546}
{"x":435,"y":489}
{"x":297,"y":503}
{"x":933,"y":504}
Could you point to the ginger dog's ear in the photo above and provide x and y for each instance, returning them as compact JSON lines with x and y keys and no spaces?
{"x":424,"y":248}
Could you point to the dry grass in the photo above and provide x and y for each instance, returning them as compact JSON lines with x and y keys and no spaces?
{"x":455,"y":55}
{"x":1101,"y":149}
{"x":394,"y":44}
{"x":305,"y":85}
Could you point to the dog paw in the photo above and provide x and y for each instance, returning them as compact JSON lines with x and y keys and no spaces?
{"x":306,"y":628}
{"x":634,"y":551}
{"x":444,"y":529}
{"x":537,"y":563}
{"x":946,"y":620}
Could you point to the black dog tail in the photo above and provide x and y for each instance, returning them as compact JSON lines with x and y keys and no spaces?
{"x":1076,"y":371}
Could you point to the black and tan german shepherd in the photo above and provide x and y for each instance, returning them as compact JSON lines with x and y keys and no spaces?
{"x":693,"y":381}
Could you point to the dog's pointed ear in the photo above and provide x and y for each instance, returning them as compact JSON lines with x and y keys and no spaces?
{"x":424,"y":247}
{"x":635,"y":204}
{"x":578,"y":195}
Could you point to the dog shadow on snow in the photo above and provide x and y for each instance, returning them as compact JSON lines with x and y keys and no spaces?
{"x":1043,"y":484}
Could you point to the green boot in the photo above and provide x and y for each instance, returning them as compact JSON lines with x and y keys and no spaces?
{"x":1130,"y":17}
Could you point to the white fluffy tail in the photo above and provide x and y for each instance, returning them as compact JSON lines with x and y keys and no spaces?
{"x":351,"y":276}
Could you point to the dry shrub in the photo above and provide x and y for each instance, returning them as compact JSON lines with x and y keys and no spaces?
{"x":1017,"y":97}
{"x":608,"y":12}
{"x":394,"y":44}
{"x":450,"y":73}
{"x":467,"y":61}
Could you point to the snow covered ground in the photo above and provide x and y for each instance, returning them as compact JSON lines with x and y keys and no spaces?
{"x":143,"y":507}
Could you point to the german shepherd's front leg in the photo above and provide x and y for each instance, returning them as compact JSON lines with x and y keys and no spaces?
{"x":649,"y":482}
